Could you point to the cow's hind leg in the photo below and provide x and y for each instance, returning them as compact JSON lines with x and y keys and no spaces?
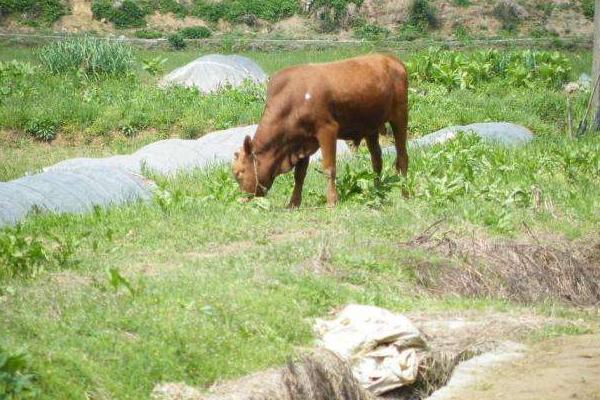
{"x":399,"y":126}
{"x":375,"y":150}
{"x":299,"y":175}
{"x":327,"y":137}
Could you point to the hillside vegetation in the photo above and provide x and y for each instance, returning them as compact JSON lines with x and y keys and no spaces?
{"x":362,"y":19}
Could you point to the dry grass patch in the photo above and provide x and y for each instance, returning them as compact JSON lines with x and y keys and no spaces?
{"x":520,"y":271}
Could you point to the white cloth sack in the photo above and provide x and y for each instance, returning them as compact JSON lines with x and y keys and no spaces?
{"x":382,"y":348}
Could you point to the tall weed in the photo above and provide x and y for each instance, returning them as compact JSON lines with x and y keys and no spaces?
{"x":89,"y":55}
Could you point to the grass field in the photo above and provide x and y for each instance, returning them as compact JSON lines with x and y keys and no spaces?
{"x":196,"y":287}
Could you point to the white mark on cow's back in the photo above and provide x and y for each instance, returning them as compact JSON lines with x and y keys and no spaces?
{"x":307,"y":96}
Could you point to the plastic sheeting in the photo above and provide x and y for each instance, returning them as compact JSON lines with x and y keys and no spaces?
{"x":209,"y":73}
{"x":78,"y":184}
{"x":504,"y":133}
{"x":74,"y":191}
{"x":167,"y":157}
{"x":382,"y":347}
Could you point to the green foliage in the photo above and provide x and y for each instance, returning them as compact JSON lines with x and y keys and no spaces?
{"x":587,"y":7}
{"x":358,"y":183}
{"x":46,"y":11}
{"x":492,"y":185}
{"x":43,"y":129}
{"x":164,"y":6}
{"x":333,"y":14}
{"x":89,"y":55}
{"x":410,"y":32}
{"x":116,"y":280}
{"x":195,"y":32}
{"x":147,"y":34}
{"x":153,"y":66}
{"x":16,"y":380}
{"x":367,"y":31}
{"x":455,"y":70}
{"x":24,"y":255}
{"x":177,"y":41}
{"x":13,"y":77}
{"x":21,"y":255}
{"x":240,"y":10}
{"x":128,"y":15}
{"x":461,"y":3}
{"x":422,"y":14}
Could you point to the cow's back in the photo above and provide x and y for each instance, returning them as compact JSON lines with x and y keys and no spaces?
{"x":358,"y":93}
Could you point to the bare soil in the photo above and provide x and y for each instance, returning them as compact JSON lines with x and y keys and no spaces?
{"x":562,"y":368}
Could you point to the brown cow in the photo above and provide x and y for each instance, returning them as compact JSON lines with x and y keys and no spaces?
{"x":312,"y":106}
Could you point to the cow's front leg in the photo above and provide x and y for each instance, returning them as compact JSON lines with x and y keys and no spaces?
{"x":299,"y":175}
{"x":327,"y":137}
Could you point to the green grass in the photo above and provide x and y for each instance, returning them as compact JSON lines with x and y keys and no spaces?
{"x":219,"y":289}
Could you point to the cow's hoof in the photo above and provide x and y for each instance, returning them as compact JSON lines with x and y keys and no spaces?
{"x":243,"y":200}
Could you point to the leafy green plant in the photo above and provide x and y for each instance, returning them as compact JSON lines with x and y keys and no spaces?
{"x":148,"y":34}
{"x":177,"y":41}
{"x":153,"y":66}
{"x":43,"y":129}
{"x":92,"y":56}
{"x":16,"y":380}
{"x":358,"y":183}
{"x":12,"y":77}
{"x":24,"y":255}
{"x":220,"y":185}
{"x":524,"y":68}
{"x":21,"y":255}
{"x":195,"y":32}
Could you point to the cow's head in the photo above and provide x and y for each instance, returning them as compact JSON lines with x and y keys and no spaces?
{"x":248,"y":170}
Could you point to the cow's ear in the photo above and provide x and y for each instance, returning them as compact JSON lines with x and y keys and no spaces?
{"x":248,"y":145}
{"x":236,"y":155}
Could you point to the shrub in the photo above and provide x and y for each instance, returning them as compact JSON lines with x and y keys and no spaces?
{"x":16,"y":382}
{"x":422,"y":14}
{"x":90,"y":55}
{"x":42,"y":129}
{"x":147,"y":34}
{"x":333,"y":14}
{"x":177,"y":41}
{"x":462,"y":3}
{"x":587,"y":7}
{"x":128,"y":15}
{"x":238,"y":10}
{"x":195,"y":32}
{"x":102,"y":9}
{"x":371,"y":32}
{"x":47,"y":11}
{"x":509,"y":14}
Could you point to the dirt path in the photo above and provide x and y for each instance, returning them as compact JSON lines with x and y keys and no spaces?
{"x":561,"y":368}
